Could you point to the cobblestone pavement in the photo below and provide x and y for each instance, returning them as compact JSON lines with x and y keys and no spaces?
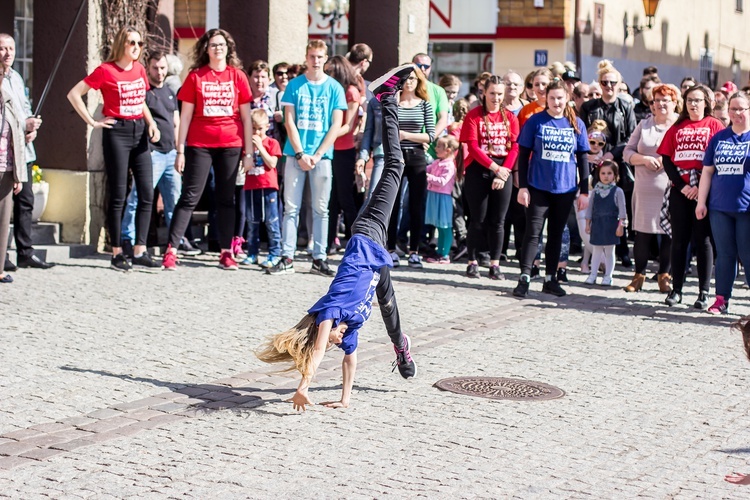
{"x":144,"y":385}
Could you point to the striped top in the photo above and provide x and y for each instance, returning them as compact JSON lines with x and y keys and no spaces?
{"x":418,"y":119}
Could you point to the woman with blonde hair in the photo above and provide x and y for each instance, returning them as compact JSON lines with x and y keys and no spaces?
{"x":126,"y":128}
{"x":416,"y":121}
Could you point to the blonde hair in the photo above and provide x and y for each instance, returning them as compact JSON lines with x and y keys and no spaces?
{"x":259,"y":117}
{"x":315,"y":45}
{"x":294,"y":346}
{"x":605,"y":66}
{"x":599,"y":126}
{"x":118,"y":48}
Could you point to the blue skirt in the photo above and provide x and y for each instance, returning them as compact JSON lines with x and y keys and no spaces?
{"x":439,"y":212}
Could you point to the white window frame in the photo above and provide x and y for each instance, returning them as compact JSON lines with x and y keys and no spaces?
{"x":23,"y":33}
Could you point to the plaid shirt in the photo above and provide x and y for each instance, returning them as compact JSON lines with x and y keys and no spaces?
{"x":665,"y":217}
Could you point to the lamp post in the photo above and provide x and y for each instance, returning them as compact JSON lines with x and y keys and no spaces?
{"x":649,"y":6}
{"x":335,"y":9}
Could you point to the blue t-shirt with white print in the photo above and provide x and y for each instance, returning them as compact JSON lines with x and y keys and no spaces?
{"x":554,"y":144}
{"x":314,"y":103}
{"x":349,"y":298}
{"x":730,"y":184}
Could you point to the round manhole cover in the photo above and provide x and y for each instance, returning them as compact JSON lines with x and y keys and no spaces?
{"x":512,"y":389}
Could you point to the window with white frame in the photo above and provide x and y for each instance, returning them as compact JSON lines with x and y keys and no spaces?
{"x":23,"y":28}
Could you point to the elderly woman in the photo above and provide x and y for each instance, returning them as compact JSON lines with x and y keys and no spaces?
{"x":12,"y":166}
{"x":650,"y":183}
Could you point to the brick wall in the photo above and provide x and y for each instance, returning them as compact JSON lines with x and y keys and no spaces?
{"x":523,"y":13}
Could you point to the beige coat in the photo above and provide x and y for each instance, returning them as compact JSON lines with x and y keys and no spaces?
{"x":17,"y":126}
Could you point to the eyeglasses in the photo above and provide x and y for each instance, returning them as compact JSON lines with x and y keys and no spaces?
{"x":695,"y":101}
{"x":597,"y":143}
{"x":661,"y":101}
{"x":133,"y":43}
{"x":738,"y":110}
{"x":608,"y":83}
{"x":593,"y":95}
{"x":411,"y":79}
{"x":423,"y":66}
{"x":216,"y":46}
{"x":282,"y":73}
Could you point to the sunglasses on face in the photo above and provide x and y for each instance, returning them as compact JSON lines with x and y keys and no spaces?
{"x":282,"y":73}
{"x":608,"y":83}
{"x":133,"y":43}
{"x":529,"y":86}
{"x":423,"y":66}
{"x":596,"y":143}
{"x":592,"y":96}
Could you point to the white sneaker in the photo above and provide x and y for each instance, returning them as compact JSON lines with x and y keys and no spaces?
{"x":606,"y":281}
{"x":591,"y":280}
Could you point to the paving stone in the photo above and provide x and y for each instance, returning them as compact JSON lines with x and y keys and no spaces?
{"x":41,"y":453}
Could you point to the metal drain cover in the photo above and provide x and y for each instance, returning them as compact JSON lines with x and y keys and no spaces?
{"x":511,"y":389}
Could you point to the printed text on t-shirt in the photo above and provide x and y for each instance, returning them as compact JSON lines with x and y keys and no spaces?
{"x":310,"y":113}
{"x":691,"y":143}
{"x":557,"y":143}
{"x":494,"y":142}
{"x":729,"y":157}
{"x":218,"y":98}
{"x":364,"y":308}
{"x":132,"y":97}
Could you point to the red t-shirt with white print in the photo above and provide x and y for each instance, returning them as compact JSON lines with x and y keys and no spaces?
{"x":686,"y":143}
{"x":123,"y":91}
{"x":217,"y":96}
{"x":500,"y":142}
{"x":262,"y":176}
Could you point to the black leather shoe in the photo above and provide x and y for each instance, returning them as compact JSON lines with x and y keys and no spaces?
{"x":34,"y":262}
{"x":9,"y":267}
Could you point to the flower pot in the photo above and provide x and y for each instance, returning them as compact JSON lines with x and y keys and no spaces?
{"x":41,"y":194}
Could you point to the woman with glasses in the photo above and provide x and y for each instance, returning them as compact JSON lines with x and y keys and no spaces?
{"x":620,"y":118}
{"x":650,"y":183}
{"x":126,"y":127}
{"x":724,"y":192}
{"x":682,"y":151}
{"x":214,"y":126}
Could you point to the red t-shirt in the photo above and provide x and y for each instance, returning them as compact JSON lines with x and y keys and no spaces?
{"x":264,"y":177}
{"x":217,"y":97}
{"x":123,"y":91}
{"x":686,"y":143}
{"x":499,"y":142}
{"x":347,"y":141}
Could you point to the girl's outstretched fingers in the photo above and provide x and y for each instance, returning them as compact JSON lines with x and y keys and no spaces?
{"x":299,"y":400}
{"x":737,"y":478}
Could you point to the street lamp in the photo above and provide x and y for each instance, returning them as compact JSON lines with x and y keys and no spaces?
{"x":649,"y":6}
{"x":335,"y":9}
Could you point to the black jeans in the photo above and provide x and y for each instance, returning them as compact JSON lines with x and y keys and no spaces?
{"x":375,"y":216}
{"x":684,"y":226}
{"x":515,"y":218}
{"x":23,"y":205}
{"x":198,"y":162}
{"x":555,"y":208}
{"x":415,"y":171}
{"x":642,"y":249}
{"x":488,"y":208}
{"x":125,"y":146}
{"x":342,"y":192}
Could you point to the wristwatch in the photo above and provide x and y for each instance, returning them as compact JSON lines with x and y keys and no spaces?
{"x":298,"y":155}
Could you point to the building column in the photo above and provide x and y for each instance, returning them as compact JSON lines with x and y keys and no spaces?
{"x":279,"y":29}
{"x":401,"y":30}
{"x":67,"y":149}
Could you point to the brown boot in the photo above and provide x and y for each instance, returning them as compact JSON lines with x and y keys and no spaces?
{"x":636,"y":284}
{"x":664,"y":280}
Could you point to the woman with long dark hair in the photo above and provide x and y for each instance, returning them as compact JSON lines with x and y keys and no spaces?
{"x":214,"y":126}
{"x":490,"y":132}
{"x":548,"y":181}
{"x":416,"y":122}
{"x":344,"y":151}
{"x":682,"y":151}
{"x":126,"y":128}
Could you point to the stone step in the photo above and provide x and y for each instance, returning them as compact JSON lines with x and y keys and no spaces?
{"x":58,"y":253}
{"x":42,"y":233}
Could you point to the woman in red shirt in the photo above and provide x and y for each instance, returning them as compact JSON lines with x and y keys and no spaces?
{"x":490,"y":131}
{"x":682,"y":151}
{"x":214,"y":125}
{"x":126,"y":128}
{"x":344,"y":152}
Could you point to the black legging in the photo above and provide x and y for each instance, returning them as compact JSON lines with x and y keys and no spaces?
{"x":342,"y":192}
{"x":415,"y":171}
{"x":555,"y":208}
{"x":488,"y":208}
{"x":642,"y":249}
{"x":684,"y":224}
{"x":515,"y":218}
{"x":125,"y":145}
{"x":374,"y":219}
{"x":198,"y":162}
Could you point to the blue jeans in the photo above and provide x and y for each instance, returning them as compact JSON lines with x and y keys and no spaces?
{"x":170,"y":187}
{"x":321,"y":179}
{"x":731,"y":232}
{"x":262,"y":205}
